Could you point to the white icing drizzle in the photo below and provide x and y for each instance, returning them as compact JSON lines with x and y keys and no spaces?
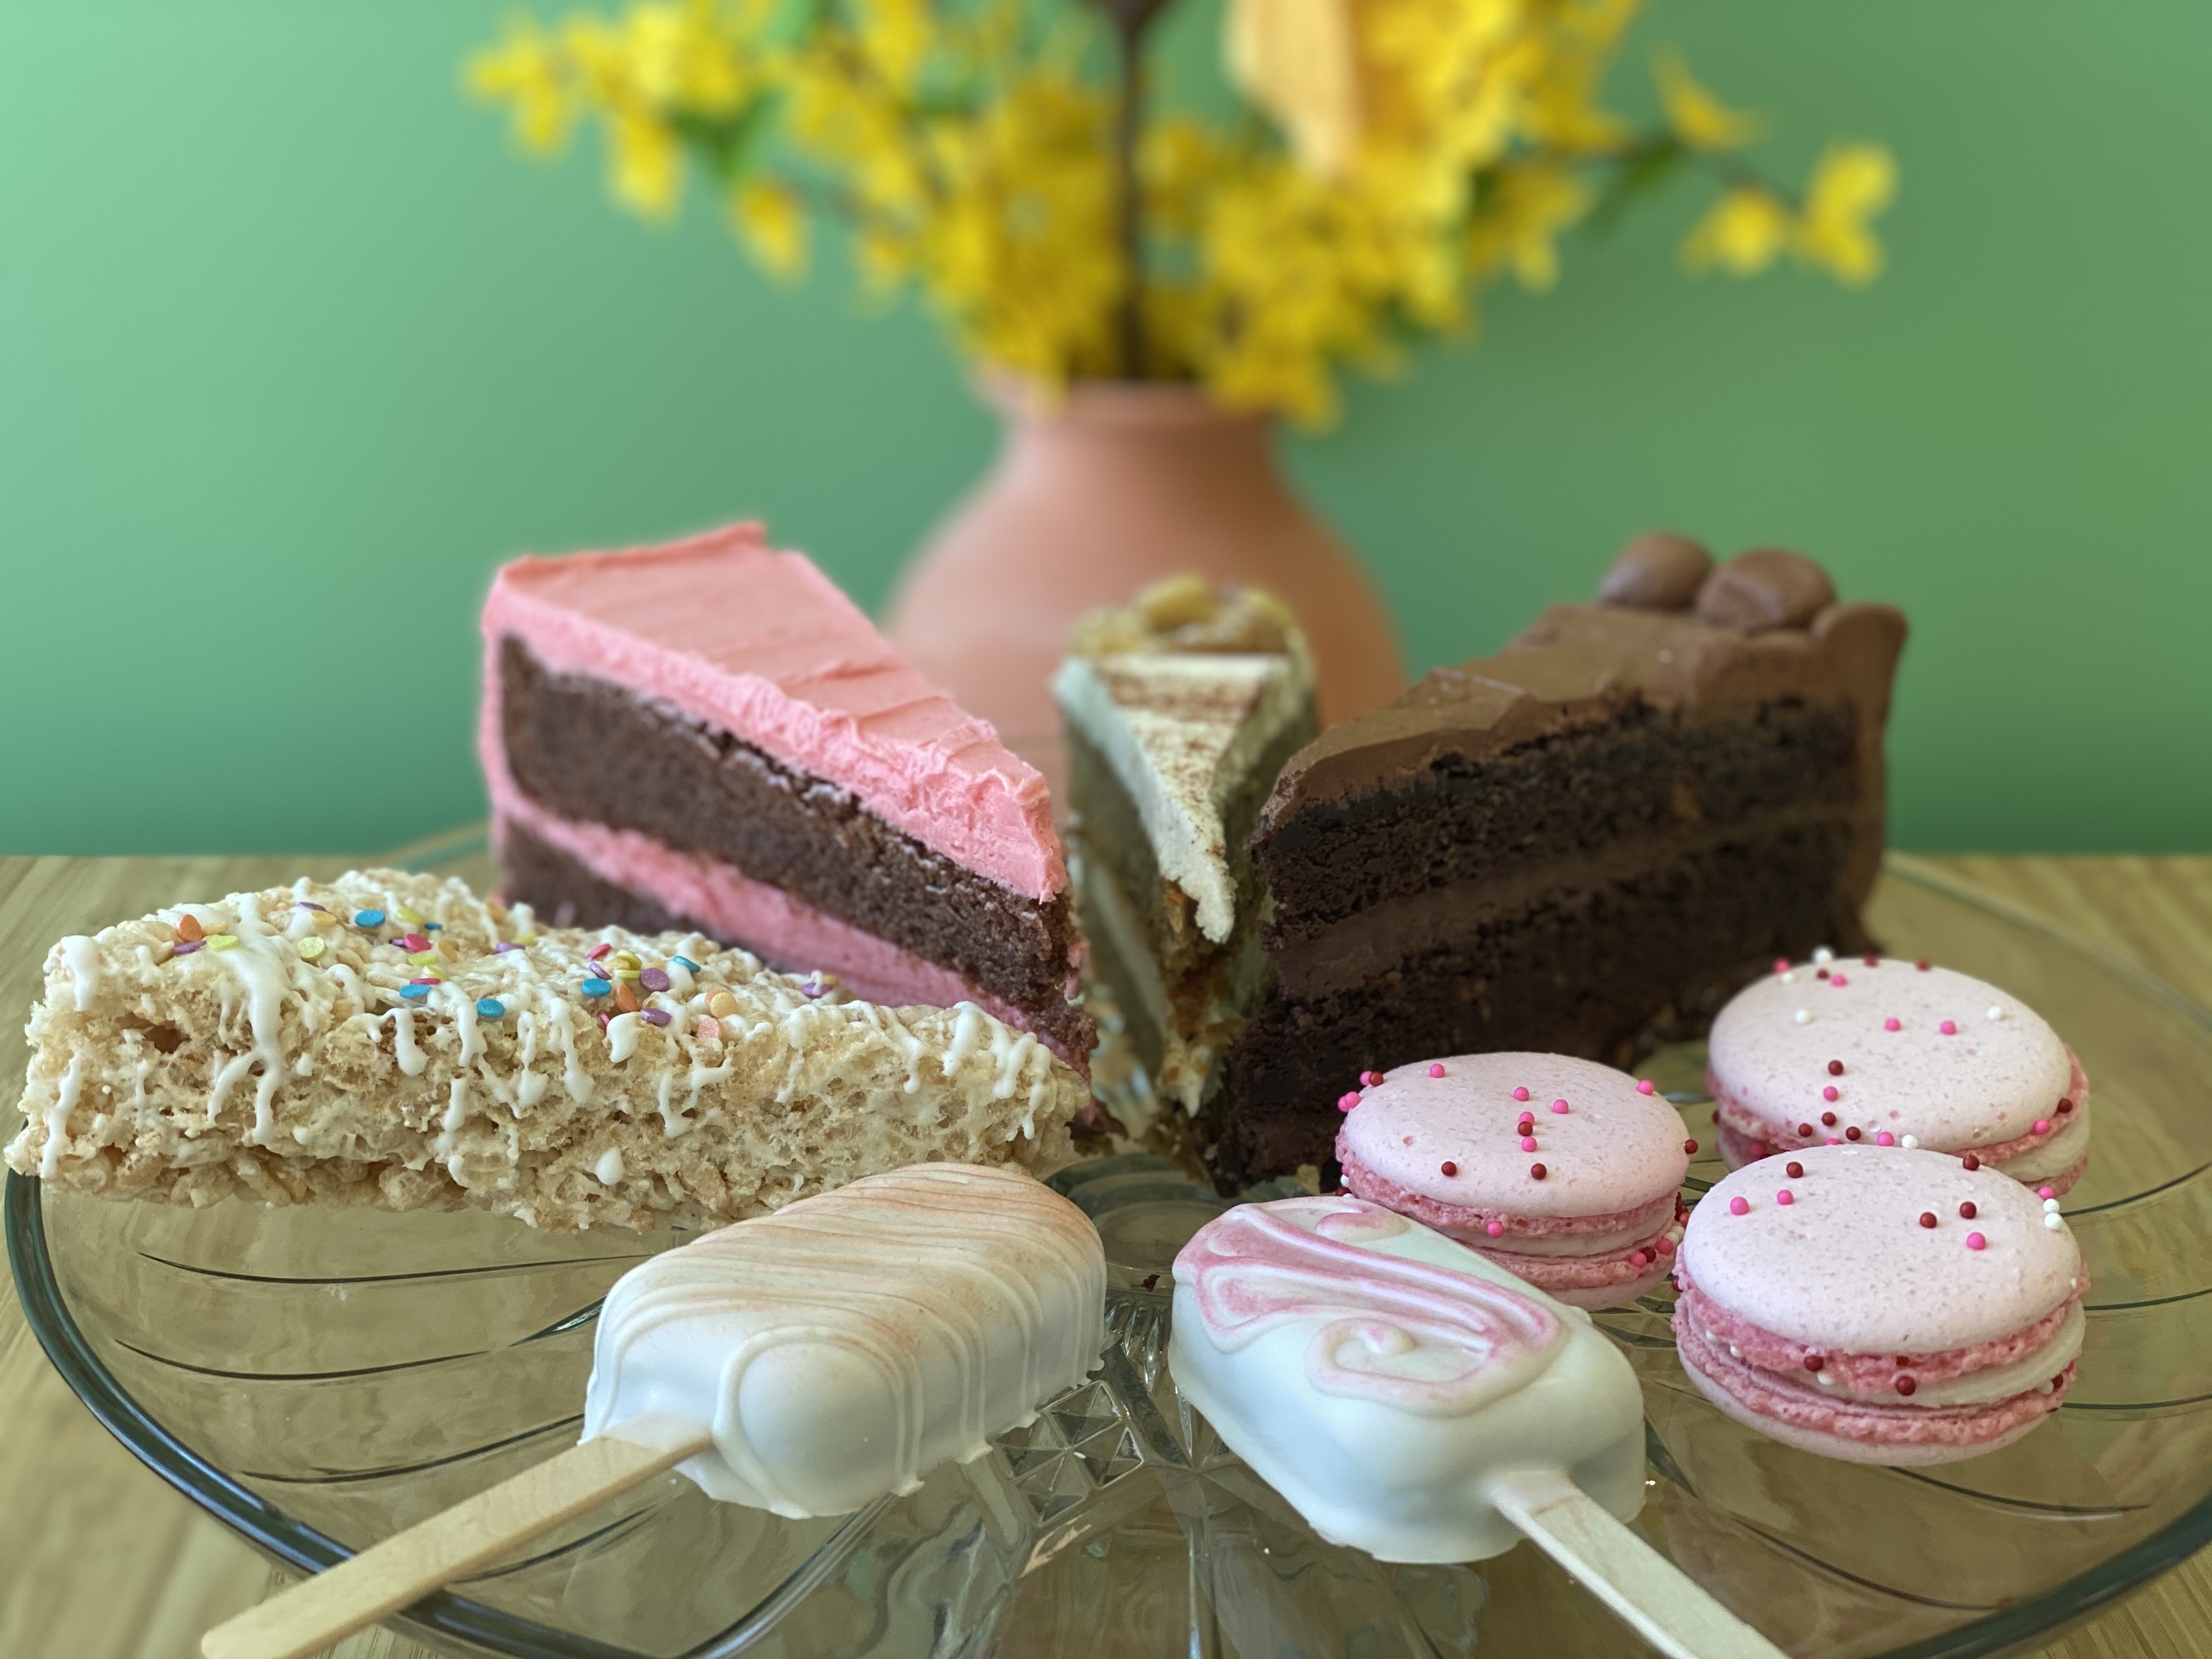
{"x":622,"y":1036}
{"x":609,"y":1168}
{"x":58,"y":1115}
{"x":81,"y":957}
{"x":412,"y":1059}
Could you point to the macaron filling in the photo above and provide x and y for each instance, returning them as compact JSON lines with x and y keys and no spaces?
{"x":1618,"y":1231}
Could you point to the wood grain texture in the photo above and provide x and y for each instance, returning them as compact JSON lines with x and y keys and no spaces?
{"x":99,"y":1560}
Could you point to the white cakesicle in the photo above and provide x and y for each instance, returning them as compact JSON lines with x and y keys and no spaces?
{"x":1384,"y":1379}
{"x":845,"y":1346}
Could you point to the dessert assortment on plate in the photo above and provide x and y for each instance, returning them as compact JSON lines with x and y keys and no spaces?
{"x":785,"y":939}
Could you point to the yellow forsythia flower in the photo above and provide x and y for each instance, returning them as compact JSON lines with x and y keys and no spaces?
{"x":1520,"y":222}
{"x":1742,"y":234}
{"x":525,"y":71}
{"x":773,"y":222}
{"x":1851,"y":185}
{"x":1696,"y":117}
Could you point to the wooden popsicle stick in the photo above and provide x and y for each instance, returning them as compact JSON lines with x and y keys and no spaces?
{"x":431,"y":1554}
{"x":1656,"y":1598}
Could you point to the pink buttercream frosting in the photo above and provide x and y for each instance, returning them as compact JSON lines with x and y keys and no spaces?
{"x":786,"y":933}
{"x":763,"y":646}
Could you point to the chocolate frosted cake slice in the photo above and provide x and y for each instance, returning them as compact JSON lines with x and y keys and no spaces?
{"x":1180,"y":711}
{"x":1580,"y":845}
{"x":709,"y":735}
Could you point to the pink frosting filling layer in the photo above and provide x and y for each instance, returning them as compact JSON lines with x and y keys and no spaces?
{"x":1864,"y":1372}
{"x":765,"y":646}
{"x":767,"y":921}
{"x":1762,"y":1394}
{"x":1470,"y":1225}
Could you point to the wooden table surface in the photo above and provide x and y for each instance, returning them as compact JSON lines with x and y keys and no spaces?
{"x":99,"y":1560}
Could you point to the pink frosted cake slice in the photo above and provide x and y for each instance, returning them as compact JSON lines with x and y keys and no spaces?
{"x":710,"y":735}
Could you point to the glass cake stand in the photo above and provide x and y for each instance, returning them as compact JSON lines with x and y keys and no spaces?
{"x":316,"y":1378}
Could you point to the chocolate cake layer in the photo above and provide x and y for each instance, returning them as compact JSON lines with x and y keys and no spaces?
{"x":589,"y":750}
{"x":1600,"y":971}
{"x":1569,"y":796}
{"x":566,"y":895}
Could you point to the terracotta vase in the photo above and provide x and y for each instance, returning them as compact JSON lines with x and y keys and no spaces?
{"x":1093,"y":497}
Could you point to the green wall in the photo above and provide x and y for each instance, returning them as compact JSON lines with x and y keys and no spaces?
{"x":294,"y":349}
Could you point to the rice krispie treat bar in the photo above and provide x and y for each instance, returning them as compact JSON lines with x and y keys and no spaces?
{"x":393,"y":1040}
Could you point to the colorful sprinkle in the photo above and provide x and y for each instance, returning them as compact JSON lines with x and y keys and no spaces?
{"x":2064,"y":1107}
{"x":1909,"y":1142}
{"x":1739,"y":1205}
{"x":1922,"y":964}
{"x":426,"y":979}
{"x":222,"y":941}
{"x":1828,"y":1119}
{"x":1837,"y":982}
{"x":597,"y":952}
{"x":1830,"y":1093}
{"x":1816,"y":1362}
{"x":1372,"y":1079}
{"x":654,"y":979}
{"x":1885,"y":1139}
{"x":1527,"y":1143}
{"x":1449,"y":1167}
{"x":1851,"y":1134}
{"x":1927,"y":1217}
{"x":1805,"y":1129}
{"x":1892,"y":1024}
{"x":311,"y":947}
{"x":368,"y":919}
{"x":1795,"y":1171}
{"x":596,"y":987}
{"x":1970,"y":1162}
{"x":184,"y":947}
{"x":1950,"y":1028}
{"x":1782,"y":964}
{"x":1784,"y":1196}
{"x":1804,"y":1015}
{"x":505,"y":946}
{"x":685,"y":963}
{"x":1495,"y":1229}
{"x":415,"y":992}
{"x":435,"y":926}
{"x":1347,"y":1100}
{"x":1871,"y":961}
{"x":1644,"y":1085}
{"x":1823,"y":956}
{"x":1665,"y":1245}
{"x":625,"y":997}
{"x":709,"y":1030}
{"x":491,"y":1007}
{"x":723,"y":1005}
{"x":1436,"y":1071}
{"x":1906,"y":1386}
{"x":1536,"y":1172}
{"x":1637,"y":1259}
{"x":654,"y":1016}
{"x":2046,"y":1192}
{"x":415,"y":942}
{"x":1520,"y":1094}
{"x":1976,"y":1241}
{"x":1996,"y":1013}
{"x":1968,"y":1211}
{"x":2051,"y":1206}
{"x":421,"y":958}
{"x":403,"y":914}
{"x":1560,"y":1107}
{"x":1691,"y":1147}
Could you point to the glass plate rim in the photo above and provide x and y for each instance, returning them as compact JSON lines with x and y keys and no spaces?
{"x":445,"y":1616}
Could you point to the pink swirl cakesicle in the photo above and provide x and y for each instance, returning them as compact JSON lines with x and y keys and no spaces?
{"x":1377,"y":1374}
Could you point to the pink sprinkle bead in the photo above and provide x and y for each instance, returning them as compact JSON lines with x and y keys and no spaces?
{"x":2046,"y":1192}
{"x":1782,"y":964}
{"x":1836,"y":981}
{"x":1436,"y":1071}
{"x":1829,"y":1093}
{"x":1520,"y":1094}
{"x":1345,"y":1102}
{"x":1560,"y":1107}
{"x":1495,"y":1229}
{"x":1644,"y":1085}
{"x":1666,"y":1245}
{"x":1784,"y":1197}
{"x":1976,"y":1241}
{"x":1835,"y":1140}
{"x":1892,"y":1024}
{"x":1950,"y":1028}
{"x":1739,"y":1207}
{"x":1527,"y":1143}
{"x":1885,"y":1139}
{"x":2043,"y":1126}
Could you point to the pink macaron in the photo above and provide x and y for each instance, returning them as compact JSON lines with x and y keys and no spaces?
{"x":1872,"y":1050}
{"x":1879,"y":1305}
{"x":1562,"y":1171}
